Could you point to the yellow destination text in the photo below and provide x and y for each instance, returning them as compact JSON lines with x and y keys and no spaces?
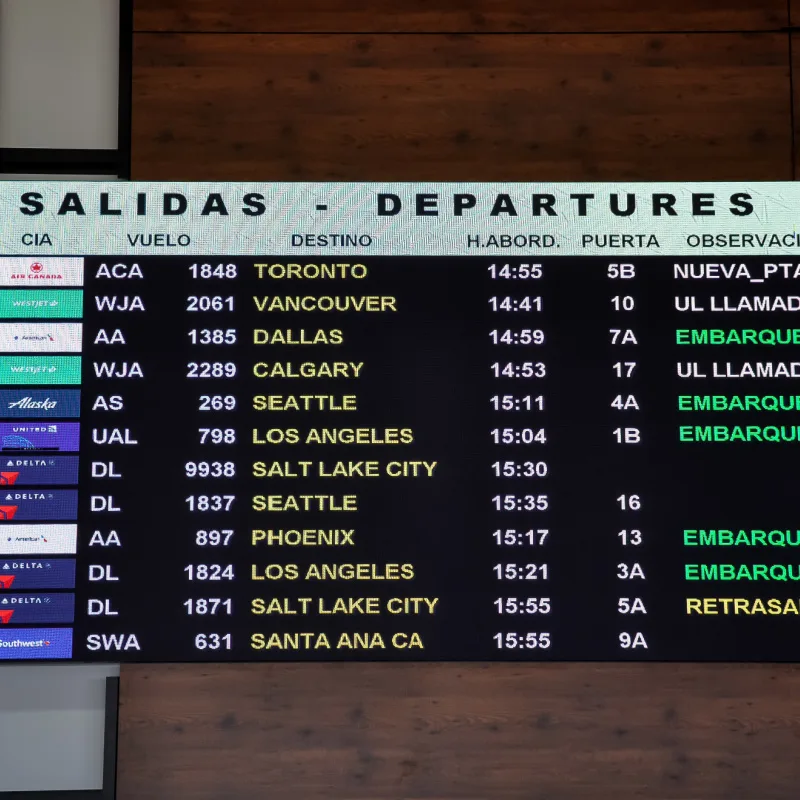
{"x":306,"y":537}
{"x":344,"y":469}
{"x":272,"y":304}
{"x":345,"y":641}
{"x":311,"y":272}
{"x":308,"y":369}
{"x":333,"y":572}
{"x":305,"y":502}
{"x":300,"y":336}
{"x":305,"y":402}
{"x":298,"y":606}
{"x":334,"y":436}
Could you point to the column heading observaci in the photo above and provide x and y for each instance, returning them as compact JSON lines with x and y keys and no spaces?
{"x":447,"y":219}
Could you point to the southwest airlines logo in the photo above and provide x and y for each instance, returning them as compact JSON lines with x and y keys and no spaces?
{"x":41,"y":272}
{"x":28,"y":643}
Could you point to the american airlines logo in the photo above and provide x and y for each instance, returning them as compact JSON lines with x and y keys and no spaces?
{"x":28,"y":402}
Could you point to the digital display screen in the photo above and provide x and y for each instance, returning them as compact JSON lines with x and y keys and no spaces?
{"x":399,"y":422}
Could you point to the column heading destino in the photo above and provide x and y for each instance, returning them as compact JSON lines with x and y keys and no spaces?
{"x":514,"y":219}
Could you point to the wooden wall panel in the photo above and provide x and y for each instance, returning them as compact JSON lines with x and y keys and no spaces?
{"x":460,"y":732}
{"x":481,"y":16}
{"x":442,"y":107}
{"x":646,"y":106}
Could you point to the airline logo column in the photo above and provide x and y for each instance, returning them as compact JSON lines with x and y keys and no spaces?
{"x":41,"y":335}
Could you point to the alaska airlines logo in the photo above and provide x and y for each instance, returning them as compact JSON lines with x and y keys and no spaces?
{"x":5,"y":616}
{"x":8,"y":478}
{"x":28,"y":402}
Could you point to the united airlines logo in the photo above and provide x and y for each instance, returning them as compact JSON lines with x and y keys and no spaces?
{"x":17,"y":443}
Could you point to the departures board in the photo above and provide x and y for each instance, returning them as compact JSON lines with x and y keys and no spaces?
{"x":399,"y":422}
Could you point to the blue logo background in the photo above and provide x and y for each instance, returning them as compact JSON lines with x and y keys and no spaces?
{"x":67,"y":403}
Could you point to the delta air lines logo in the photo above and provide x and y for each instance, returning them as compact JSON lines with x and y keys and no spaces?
{"x":5,"y":616}
{"x":7,"y":512}
{"x":6,"y":581}
{"x":8,"y":478}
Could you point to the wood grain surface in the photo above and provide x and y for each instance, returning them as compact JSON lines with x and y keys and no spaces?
{"x":221,"y":99}
{"x":456,"y":107}
{"x":460,"y":732}
{"x":448,"y":16}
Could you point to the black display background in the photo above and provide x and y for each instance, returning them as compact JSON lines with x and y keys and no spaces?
{"x":427,"y":367}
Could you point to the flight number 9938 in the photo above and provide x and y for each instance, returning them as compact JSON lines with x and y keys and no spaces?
{"x":210,"y":469}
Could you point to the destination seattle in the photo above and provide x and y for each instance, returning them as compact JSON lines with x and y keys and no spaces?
{"x":399,"y":422}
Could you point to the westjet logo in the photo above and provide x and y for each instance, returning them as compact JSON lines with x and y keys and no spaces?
{"x":32,"y":369}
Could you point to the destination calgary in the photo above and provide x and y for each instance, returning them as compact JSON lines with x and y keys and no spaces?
{"x":385,"y":204}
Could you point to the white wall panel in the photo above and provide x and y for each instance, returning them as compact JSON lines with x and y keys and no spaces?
{"x":59,"y":73}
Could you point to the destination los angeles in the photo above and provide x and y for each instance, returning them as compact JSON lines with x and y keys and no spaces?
{"x":386,"y":204}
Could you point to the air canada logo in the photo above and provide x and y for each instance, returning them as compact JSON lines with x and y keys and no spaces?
{"x":8,"y":478}
{"x":37,"y":271}
{"x":5,"y":616}
{"x":7,"y":512}
{"x":6,"y":581}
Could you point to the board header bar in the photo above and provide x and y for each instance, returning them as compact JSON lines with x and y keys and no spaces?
{"x":337,"y":219}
